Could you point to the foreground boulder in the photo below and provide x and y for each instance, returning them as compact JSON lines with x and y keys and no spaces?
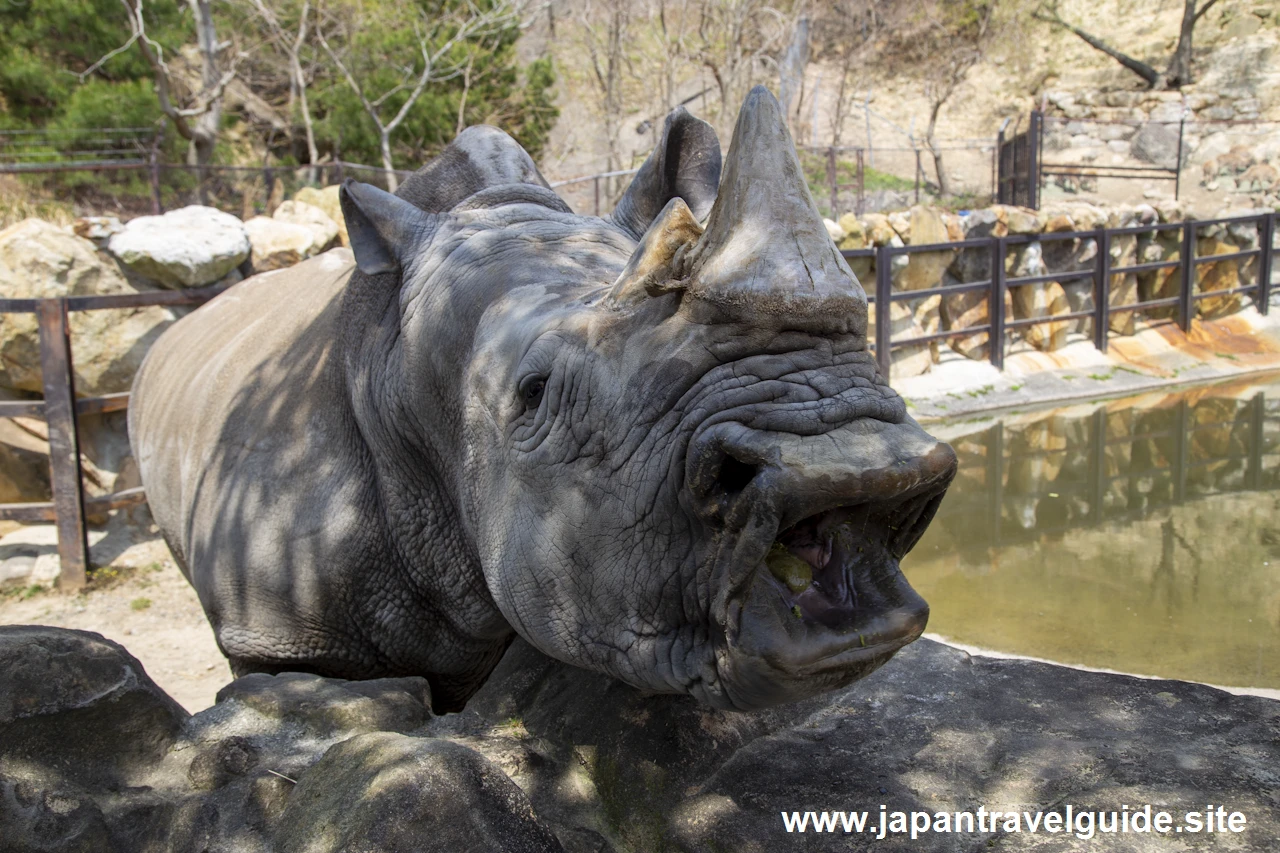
{"x":188,"y":247}
{"x":414,"y":794}
{"x":546,"y":756}
{"x":76,"y":707}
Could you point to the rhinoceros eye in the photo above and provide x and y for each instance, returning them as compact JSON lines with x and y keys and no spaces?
{"x":531,"y":390}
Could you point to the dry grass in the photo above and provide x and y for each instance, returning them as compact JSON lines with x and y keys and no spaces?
{"x":19,"y":202}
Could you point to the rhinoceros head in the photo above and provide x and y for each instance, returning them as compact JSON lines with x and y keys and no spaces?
{"x":670,"y":453}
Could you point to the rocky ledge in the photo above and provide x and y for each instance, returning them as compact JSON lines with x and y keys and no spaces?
{"x":95,"y":757}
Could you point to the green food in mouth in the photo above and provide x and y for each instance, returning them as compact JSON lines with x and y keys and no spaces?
{"x":788,"y":568}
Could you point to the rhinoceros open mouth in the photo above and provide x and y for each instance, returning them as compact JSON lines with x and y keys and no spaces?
{"x":839,"y":568}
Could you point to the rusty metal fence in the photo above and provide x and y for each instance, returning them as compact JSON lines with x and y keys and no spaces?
{"x":995,"y":287}
{"x":61,"y":410}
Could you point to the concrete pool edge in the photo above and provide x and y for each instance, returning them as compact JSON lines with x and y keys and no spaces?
{"x":1155,"y":358}
{"x":979,"y":651}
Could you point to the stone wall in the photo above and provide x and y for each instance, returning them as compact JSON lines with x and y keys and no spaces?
{"x":1231,"y":142}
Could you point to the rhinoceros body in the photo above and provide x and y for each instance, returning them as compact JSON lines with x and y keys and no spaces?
{"x":651,"y":447}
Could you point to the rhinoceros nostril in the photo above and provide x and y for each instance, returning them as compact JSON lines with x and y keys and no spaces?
{"x":735,"y":474}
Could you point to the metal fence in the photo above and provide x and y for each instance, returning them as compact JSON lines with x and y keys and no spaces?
{"x":61,"y":410}
{"x":1100,"y":275}
{"x":1018,"y":164}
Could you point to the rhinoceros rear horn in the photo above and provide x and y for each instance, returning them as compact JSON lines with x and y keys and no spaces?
{"x":684,"y":164}
{"x":384,"y":230}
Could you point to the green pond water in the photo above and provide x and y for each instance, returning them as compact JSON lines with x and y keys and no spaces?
{"x":1141,"y":535}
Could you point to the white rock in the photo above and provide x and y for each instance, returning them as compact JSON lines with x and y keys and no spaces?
{"x":277,"y":244}
{"x":190,"y":247}
{"x":834,"y":231}
{"x":324,"y":230}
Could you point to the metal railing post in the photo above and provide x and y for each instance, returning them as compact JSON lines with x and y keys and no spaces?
{"x":1179,"y":472}
{"x":884,"y":331}
{"x":995,"y":304}
{"x":1098,"y":466}
{"x":1102,"y":291}
{"x":1266,"y":260}
{"x":918,"y":171}
{"x":995,"y":481}
{"x":64,"y":441}
{"x":1257,"y":417}
{"x":1188,"y":269}
{"x":861,"y":199}
{"x":1177,"y":176}
{"x":595,"y":185}
{"x":833,"y":179}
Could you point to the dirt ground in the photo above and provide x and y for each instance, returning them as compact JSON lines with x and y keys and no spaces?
{"x":143,"y":602}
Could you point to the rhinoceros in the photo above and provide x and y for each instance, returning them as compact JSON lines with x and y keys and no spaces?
{"x":652,"y":444}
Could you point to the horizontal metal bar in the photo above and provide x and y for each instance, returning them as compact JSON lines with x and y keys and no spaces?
{"x":98,"y":166}
{"x":938,"y":336}
{"x":1238,"y":220}
{"x":1077,"y":169}
{"x":1145,"y":229}
{"x":118,"y":500}
{"x":980,"y":243}
{"x":120,"y":300}
{"x":1208,"y":259}
{"x":106,"y":403}
{"x":1041,"y":279}
{"x":22,"y":409}
{"x":947,"y":290}
{"x":1154,"y":265}
{"x":28,"y":512}
{"x":1211,"y":293}
{"x":1053,"y":318}
{"x":1134,"y":306}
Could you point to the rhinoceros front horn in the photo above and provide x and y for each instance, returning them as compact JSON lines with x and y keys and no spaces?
{"x":765,"y":258}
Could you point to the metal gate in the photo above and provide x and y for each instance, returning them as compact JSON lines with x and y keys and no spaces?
{"x":1018,"y":172}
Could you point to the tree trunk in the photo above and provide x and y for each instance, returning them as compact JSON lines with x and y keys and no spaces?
{"x":388,"y":169}
{"x":204,"y":137}
{"x":944,"y":183}
{"x":1179,"y":70}
{"x":931,"y":139}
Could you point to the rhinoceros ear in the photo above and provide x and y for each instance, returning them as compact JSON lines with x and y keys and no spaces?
{"x":480,"y":157}
{"x":384,"y":230}
{"x":685,"y":164}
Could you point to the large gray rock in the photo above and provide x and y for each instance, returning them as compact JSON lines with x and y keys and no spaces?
{"x":388,"y":793}
{"x":76,"y":707}
{"x":94,"y":758}
{"x":329,"y":705}
{"x":1157,"y":144}
{"x":188,"y":247}
{"x":933,"y":730}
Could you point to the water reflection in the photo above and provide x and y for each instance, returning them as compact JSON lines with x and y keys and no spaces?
{"x":1141,"y":535}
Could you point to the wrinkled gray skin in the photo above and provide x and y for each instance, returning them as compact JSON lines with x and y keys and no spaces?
{"x":587,"y":431}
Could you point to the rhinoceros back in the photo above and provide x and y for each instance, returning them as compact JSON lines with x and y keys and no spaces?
{"x":237,"y":422}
